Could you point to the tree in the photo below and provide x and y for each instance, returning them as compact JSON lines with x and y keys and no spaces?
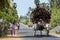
{"x":44,"y":5}
{"x":55,"y":13}
{"x":58,"y":3}
{"x":37,"y":3}
{"x":8,"y":17}
{"x":54,"y":3}
{"x":3,"y":4}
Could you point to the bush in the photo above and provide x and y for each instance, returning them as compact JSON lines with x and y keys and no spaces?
{"x":58,"y":32}
{"x":8,"y":18}
{"x":25,"y":22}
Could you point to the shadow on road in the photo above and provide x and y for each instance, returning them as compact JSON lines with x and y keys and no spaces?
{"x":36,"y":36}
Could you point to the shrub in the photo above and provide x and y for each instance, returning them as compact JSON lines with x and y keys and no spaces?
{"x":58,"y":32}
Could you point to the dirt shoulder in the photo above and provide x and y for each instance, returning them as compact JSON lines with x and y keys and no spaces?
{"x":54,"y":34}
{"x":11,"y":39}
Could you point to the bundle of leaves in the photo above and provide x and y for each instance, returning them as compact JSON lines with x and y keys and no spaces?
{"x":41,"y":13}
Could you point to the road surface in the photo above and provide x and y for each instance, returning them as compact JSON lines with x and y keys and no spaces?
{"x":26,"y":33}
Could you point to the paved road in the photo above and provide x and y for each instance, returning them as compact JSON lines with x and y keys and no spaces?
{"x":26,"y":33}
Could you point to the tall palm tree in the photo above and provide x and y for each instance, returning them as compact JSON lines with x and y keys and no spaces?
{"x":53,"y":3}
{"x":45,"y":5}
{"x":58,"y":3}
{"x":37,"y":3}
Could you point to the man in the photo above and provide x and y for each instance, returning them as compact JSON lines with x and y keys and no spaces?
{"x":18,"y":26}
{"x":48,"y":28}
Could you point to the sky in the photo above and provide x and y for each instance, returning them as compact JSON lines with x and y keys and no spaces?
{"x":23,"y":6}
